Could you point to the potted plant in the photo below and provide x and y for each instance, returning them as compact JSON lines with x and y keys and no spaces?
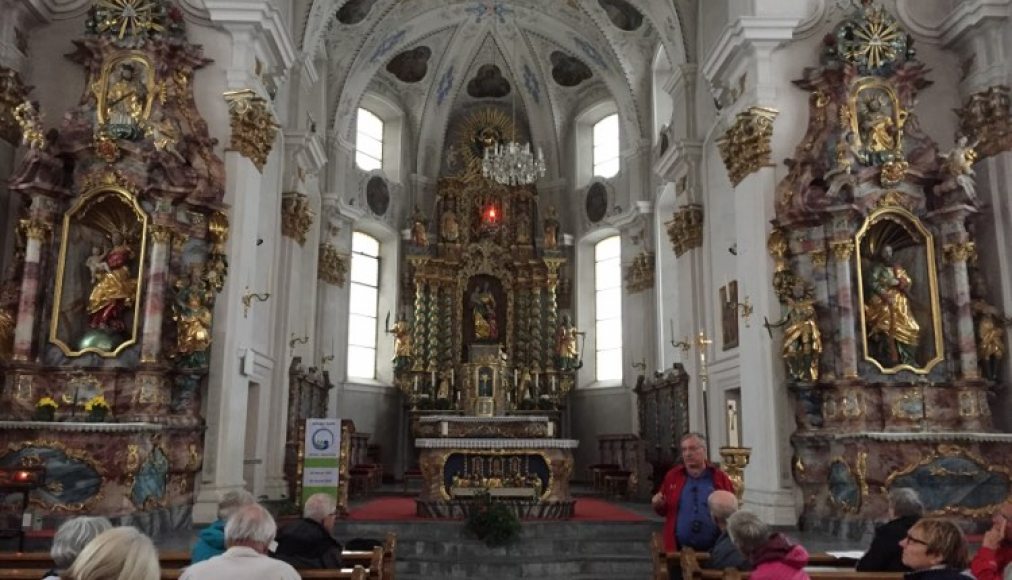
{"x":492,"y":522}
{"x":97,"y":409}
{"x":45,"y":409}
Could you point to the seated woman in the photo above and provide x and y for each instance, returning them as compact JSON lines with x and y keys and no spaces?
{"x":885,"y":554}
{"x":71,"y":537}
{"x":935,"y":549}
{"x":117,"y":554}
{"x":773,"y":556}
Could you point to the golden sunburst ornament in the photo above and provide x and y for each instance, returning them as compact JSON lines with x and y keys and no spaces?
{"x":482,"y":128}
{"x":877,"y":40}
{"x":119,"y":16}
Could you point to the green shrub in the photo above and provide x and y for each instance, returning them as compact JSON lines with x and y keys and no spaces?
{"x":493,"y":522}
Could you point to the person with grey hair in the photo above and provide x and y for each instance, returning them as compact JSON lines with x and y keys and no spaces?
{"x":884,"y":554}
{"x":682,"y":496}
{"x":211,"y":540}
{"x":773,"y":555}
{"x":116,"y":554}
{"x":71,"y":537}
{"x":248,"y":534}
{"x":724,"y":553}
{"x":309,"y":542}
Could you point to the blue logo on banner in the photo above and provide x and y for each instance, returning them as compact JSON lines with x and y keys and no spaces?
{"x":322,"y":439}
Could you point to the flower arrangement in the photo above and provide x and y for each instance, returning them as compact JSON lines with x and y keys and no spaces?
{"x":96,"y":408}
{"x":45,"y":409}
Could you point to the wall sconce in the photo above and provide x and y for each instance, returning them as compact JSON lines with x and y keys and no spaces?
{"x":295,"y":341}
{"x":682,"y":344}
{"x":745,"y":307}
{"x":641,"y":365}
{"x":326,"y":359}
{"x":248,"y":297}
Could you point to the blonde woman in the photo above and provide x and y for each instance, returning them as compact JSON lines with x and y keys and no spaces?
{"x":118,"y":554}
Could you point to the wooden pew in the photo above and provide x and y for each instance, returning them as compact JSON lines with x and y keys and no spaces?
{"x":363,"y":558}
{"x":820,"y":567}
{"x":662,"y":558}
{"x":356,"y":573}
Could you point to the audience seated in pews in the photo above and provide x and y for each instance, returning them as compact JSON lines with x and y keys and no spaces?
{"x":116,"y":554}
{"x":724,"y":553}
{"x":211,"y":540}
{"x":773,"y":555}
{"x":935,"y":549}
{"x":309,"y":542}
{"x":682,"y":497}
{"x":995,"y":554}
{"x":885,"y":554}
{"x":71,"y":537}
{"x":248,"y":533}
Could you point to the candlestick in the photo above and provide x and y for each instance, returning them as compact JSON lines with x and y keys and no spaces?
{"x":416,"y":383}
{"x":733,"y":436}
{"x":452,"y":377}
{"x":553,"y":383}
{"x":515,"y":382}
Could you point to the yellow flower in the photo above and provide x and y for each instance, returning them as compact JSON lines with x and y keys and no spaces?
{"x":96,"y":402}
{"x":46,"y":402}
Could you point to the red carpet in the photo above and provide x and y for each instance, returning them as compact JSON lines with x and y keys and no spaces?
{"x":403,"y":508}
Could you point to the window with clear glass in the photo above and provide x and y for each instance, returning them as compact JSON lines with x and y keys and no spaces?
{"x":369,"y":141}
{"x":608,"y":308}
{"x":364,"y":303}
{"x":605,"y":141}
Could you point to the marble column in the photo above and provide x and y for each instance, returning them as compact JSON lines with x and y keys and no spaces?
{"x":36,"y":232}
{"x":957,"y":249}
{"x":154,"y":298}
{"x":846,"y":339}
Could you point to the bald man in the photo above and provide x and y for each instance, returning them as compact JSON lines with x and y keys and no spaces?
{"x":724,"y":553}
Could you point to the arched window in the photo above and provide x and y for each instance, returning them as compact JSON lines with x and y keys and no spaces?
{"x":369,"y":141}
{"x":606,"y":146}
{"x":608,"y":308}
{"x":363,"y":306}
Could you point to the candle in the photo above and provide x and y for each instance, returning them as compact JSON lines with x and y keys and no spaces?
{"x":553,"y":383}
{"x":416,"y":383}
{"x":515,"y":382}
{"x":433,"y":378}
{"x":452,"y":379}
{"x":536,"y":381}
{"x":733,"y":436}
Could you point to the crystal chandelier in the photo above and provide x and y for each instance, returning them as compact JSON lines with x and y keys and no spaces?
{"x":512,"y":163}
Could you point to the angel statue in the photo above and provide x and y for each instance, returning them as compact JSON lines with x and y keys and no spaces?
{"x":566,"y":351}
{"x":193,"y":319}
{"x":802,"y":345}
{"x":957,"y":170}
{"x":403,"y":346}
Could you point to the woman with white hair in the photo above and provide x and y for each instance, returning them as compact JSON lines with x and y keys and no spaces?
{"x":117,"y":554}
{"x":71,"y":537}
{"x":211,"y":540}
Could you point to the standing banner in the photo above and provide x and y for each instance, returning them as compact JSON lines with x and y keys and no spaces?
{"x":321,"y":460}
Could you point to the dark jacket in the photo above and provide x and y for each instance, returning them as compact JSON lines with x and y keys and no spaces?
{"x":210,"y":542}
{"x":307,"y":544}
{"x":725,"y":554}
{"x":937,"y":574}
{"x":885,"y":553}
{"x":672,"y":486}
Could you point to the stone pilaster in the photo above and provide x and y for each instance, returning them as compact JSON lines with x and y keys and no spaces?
{"x":154,"y":297}
{"x":37,"y":233}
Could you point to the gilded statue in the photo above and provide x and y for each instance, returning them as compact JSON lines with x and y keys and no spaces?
{"x":879,"y":128}
{"x":125,"y":101}
{"x":113,"y":287}
{"x":551,"y":229}
{"x":443,"y":392}
{"x":449,"y":225}
{"x":483,"y":308}
{"x":567,"y":354}
{"x":419,"y":229}
{"x":7,"y":325}
{"x":893,"y":330}
{"x":523,"y":226}
{"x":802,"y":343}
{"x":990,"y":328}
{"x":193,"y":319}
{"x":9,"y":292}
{"x":403,"y":346}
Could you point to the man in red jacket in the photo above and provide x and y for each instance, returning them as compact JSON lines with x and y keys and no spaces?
{"x":683,"y":494}
{"x":996,"y":547}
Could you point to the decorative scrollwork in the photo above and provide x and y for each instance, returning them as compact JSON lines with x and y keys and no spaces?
{"x":12,"y":95}
{"x":639,"y":275}
{"x":333,"y":265}
{"x":685,"y":229}
{"x":986,"y":119}
{"x":296,"y":217}
{"x":745,"y":147}
{"x":253,"y":126}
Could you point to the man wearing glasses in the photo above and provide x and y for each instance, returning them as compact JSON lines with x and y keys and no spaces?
{"x":682,"y":497}
{"x":995,"y":552}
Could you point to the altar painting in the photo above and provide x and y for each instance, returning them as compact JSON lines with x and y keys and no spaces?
{"x":484,"y":311}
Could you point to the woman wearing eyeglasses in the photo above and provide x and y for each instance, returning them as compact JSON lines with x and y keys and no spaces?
{"x":935,"y":549}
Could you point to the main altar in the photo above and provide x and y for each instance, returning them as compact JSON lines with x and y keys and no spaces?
{"x":484,"y":344}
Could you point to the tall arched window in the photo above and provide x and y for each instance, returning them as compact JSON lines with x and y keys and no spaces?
{"x":608,"y":308}
{"x":606,"y":146}
{"x":369,"y":141}
{"x":363,"y":306}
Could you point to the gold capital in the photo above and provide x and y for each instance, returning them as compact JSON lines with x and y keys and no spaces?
{"x":745,"y":147}
{"x":35,"y":229}
{"x":842,"y":250}
{"x":253,"y":126}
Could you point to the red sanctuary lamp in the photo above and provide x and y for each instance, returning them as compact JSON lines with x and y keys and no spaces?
{"x":490,"y":215}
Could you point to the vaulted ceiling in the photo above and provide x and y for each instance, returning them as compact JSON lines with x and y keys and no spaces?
{"x":432,"y":57}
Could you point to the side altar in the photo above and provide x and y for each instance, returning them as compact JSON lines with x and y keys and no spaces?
{"x":510,"y":458}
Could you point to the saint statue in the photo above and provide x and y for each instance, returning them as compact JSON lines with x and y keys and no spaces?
{"x":802,"y":346}
{"x":483,"y":308}
{"x":124,"y":102}
{"x":443,"y":392}
{"x":551,"y":228}
{"x":567,"y":354}
{"x":893,"y":331}
{"x":192,"y":314}
{"x":990,"y":338}
{"x":879,"y":128}
{"x":523,"y":226}
{"x":113,"y":286}
{"x":419,"y":229}
{"x":449,"y":226}
{"x":403,"y":346}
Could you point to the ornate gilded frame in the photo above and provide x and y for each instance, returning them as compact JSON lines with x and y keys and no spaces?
{"x":547,"y":490}
{"x":860,"y":477}
{"x":954,"y":451}
{"x":72,"y":454}
{"x":90,"y":197}
{"x":101,"y":88}
{"x":899,"y":116}
{"x":903,"y":218}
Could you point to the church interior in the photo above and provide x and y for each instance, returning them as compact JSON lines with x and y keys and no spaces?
{"x":514,"y":249}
